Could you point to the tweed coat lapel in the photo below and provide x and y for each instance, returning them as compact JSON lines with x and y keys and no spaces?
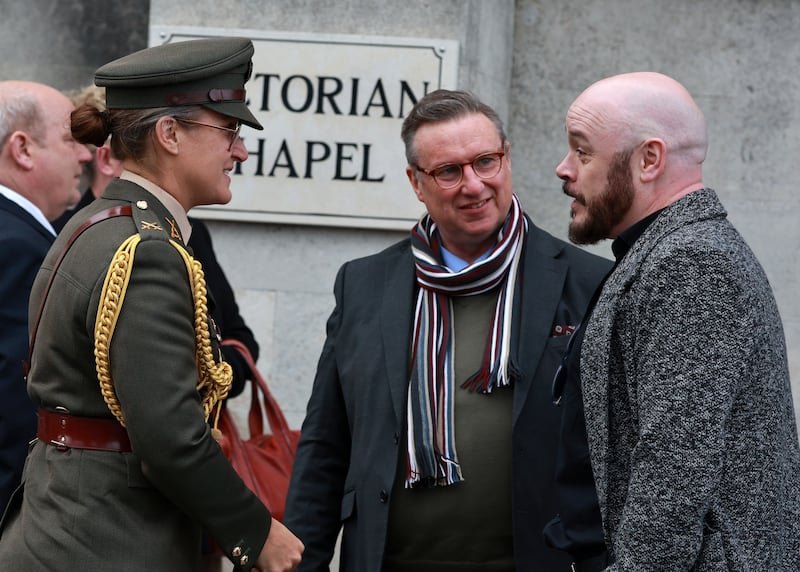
{"x":396,"y":323}
{"x":542,"y":281}
{"x":597,"y":358}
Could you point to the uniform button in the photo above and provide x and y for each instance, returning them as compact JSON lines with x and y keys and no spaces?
{"x":384,"y":496}
{"x":243,"y":560}
{"x":237,"y":551}
{"x":396,"y":438}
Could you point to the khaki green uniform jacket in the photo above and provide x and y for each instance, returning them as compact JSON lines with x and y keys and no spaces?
{"x":92,"y":510}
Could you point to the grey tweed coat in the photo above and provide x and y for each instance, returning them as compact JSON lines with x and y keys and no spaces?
{"x":689,"y":414}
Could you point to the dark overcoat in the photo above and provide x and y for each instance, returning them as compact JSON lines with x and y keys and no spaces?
{"x":351,"y":438}
{"x":23,"y":245}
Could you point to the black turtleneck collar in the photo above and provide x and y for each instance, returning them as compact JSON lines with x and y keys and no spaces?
{"x":623,"y":243}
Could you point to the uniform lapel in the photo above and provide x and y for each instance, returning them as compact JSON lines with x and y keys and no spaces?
{"x":542,"y":283}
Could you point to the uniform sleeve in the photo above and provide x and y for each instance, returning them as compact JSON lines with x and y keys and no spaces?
{"x":313,"y":507}
{"x":155,"y":376}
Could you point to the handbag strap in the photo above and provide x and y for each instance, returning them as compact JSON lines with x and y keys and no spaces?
{"x":112,"y":212}
{"x":277,"y":422}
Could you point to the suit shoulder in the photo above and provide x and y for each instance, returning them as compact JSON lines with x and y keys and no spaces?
{"x":17,"y":223}
{"x":389,"y":255}
{"x":18,"y":235}
{"x":549,"y":245}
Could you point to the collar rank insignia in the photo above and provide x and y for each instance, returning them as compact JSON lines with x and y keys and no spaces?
{"x":173,"y":232}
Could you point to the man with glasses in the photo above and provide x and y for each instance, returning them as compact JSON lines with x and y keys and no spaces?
{"x":430,"y":435}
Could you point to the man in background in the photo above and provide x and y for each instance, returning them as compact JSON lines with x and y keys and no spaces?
{"x":40,"y":169}
{"x":103,"y":167}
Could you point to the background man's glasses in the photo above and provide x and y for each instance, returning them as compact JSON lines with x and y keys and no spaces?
{"x":234,"y":132}
{"x":448,"y":176}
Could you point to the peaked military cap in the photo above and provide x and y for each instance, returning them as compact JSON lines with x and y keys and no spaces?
{"x":210,"y":72}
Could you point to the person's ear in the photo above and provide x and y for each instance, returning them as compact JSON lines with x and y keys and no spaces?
{"x":166,"y":134}
{"x":18,"y":146}
{"x":652,"y":160}
{"x":412,"y":178}
{"x":102,"y":161}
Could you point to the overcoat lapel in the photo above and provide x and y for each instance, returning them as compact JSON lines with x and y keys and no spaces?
{"x":396,"y":322}
{"x":596,"y":353}
{"x":595,"y":379}
{"x":543,"y":279}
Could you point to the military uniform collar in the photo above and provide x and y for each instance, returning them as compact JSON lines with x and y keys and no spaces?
{"x":171,"y":204}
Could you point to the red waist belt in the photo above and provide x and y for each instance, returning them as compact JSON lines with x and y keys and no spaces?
{"x":69,"y":432}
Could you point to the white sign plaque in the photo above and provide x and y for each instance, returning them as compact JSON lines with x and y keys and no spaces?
{"x":332,"y":107}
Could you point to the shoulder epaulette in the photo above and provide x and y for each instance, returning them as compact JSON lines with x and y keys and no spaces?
{"x":148,"y":223}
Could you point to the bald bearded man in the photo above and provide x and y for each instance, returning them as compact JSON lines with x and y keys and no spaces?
{"x":690,"y":435}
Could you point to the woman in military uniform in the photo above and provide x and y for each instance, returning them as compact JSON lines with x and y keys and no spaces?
{"x":125,"y":364}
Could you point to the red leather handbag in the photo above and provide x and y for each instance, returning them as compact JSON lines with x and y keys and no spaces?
{"x":264,"y":461}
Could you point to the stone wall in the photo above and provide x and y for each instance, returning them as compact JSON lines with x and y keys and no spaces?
{"x":62,"y":43}
{"x":529,"y":59}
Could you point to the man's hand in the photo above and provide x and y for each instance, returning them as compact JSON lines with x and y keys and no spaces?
{"x":281,"y":552}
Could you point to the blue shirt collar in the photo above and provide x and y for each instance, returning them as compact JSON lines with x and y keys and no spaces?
{"x":456,"y":264}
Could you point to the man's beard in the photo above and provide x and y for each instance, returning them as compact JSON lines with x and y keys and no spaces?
{"x":605,"y":211}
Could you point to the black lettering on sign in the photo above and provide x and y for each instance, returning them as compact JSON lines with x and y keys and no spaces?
{"x":321,"y":95}
{"x":284,"y":159}
{"x":342,"y":160}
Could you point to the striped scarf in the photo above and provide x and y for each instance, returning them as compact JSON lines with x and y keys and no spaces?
{"x":432,"y":458}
